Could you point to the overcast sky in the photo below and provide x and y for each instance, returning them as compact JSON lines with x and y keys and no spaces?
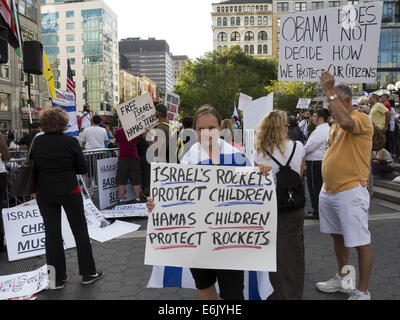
{"x":184,"y":24}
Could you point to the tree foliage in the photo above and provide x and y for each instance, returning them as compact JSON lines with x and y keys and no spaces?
{"x":287,"y":94}
{"x":219,"y":77}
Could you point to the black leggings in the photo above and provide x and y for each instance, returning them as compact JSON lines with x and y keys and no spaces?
{"x":50,"y":209}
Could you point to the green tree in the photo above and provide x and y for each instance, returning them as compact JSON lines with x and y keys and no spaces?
{"x":287,"y":94}
{"x":219,"y":77}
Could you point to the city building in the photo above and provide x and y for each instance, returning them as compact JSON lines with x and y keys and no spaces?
{"x":131,"y":86}
{"x":247,"y":23}
{"x":150,"y":58}
{"x":179,"y":62}
{"x":14,"y":112}
{"x":86,"y":33}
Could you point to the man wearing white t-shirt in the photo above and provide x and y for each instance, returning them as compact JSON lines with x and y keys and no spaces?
{"x":93,"y":138}
{"x":86,"y":117}
{"x":315,"y":152}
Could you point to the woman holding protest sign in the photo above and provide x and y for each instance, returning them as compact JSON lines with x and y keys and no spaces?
{"x":288,"y":162}
{"x":211,"y":150}
{"x":58,"y":159}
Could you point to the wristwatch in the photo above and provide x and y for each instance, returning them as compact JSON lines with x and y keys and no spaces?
{"x":331,"y":98}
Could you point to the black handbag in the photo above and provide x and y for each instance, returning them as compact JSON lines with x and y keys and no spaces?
{"x":24,"y":184}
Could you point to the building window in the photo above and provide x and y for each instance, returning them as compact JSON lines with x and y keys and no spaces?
{"x":4,"y":102}
{"x":353,"y":2}
{"x":256,"y":8}
{"x":332,"y":4}
{"x":259,"y":21}
{"x":231,"y":9}
{"x":70,"y":49}
{"x":301,"y":6}
{"x":317,"y":5}
{"x":70,"y":37}
{"x":222,"y":9}
{"x":262,"y":35}
{"x":265,"y":21}
{"x":238,"y":21}
{"x":222,"y":37}
{"x":219,"y":48}
{"x":235,"y":8}
{"x":70,"y":26}
{"x":218,"y":9}
{"x":246,"y":48}
{"x":249,"y":36}
{"x":4,"y":71}
{"x":232,"y":21}
{"x":282,"y":6}
{"x":28,"y":9}
{"x":246,"y":21}
{"x":71,"y":61}
{"x":252,"y":21}
{"x":261,"y":8}
{"x":235,"y":36}
{"x":259,"y":49}
{"x":219,"y":22}
{"x":225,"y":22}
{"x":69,"y":14}
{"x":265,"y":49}
{"x":251,"y":49}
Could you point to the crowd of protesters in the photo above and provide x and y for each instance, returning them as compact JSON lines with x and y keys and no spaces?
{"x":332,"y":149}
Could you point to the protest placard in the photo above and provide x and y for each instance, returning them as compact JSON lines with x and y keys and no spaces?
{"x":342,"y":40}
{"x":137,"y":115}
{"x":172,"y":103}
{"x":108,"y":188}
{"x":212,"y":217}
{"x":127,"y":211}
{"x":25,"y":232}
{"x":24,"y":284}
{"x":255,"y":111}
{"x":303,"y":103}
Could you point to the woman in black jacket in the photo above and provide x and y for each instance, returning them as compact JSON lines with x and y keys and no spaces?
{"x":58,"y":159}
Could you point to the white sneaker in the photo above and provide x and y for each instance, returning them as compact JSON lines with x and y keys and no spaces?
{"x":334,"y":284}
{"x":359,"y":295}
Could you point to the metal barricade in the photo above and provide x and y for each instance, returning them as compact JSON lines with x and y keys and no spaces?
{"x":91,"y":160}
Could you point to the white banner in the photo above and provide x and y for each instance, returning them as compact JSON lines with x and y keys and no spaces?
{"x":343,"y":41}
{"x":137,"y":115}
{"x":212,"y":217}
{"x":127,"y":211}
{"x":108,"y":188}
{"x":24,"y":284}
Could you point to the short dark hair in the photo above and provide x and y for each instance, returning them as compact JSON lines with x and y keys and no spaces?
{"x":187,"y":122}
{"x":162,"y":110}
{"x":97,"y":120}
{"x":207,"y":109}
{"x":322,"y":113}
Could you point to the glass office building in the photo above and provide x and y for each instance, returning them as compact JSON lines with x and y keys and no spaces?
{"x":86,"y":35}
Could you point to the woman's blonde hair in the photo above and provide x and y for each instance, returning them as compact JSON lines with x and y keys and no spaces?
{"x":271,"y":133}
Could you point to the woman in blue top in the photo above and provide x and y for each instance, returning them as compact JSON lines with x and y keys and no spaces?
{"x":214,"y":151}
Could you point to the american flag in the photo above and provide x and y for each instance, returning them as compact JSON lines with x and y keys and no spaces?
{"x":70,"y":80}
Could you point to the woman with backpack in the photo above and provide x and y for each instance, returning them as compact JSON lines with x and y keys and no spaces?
{"x":287,"y":159}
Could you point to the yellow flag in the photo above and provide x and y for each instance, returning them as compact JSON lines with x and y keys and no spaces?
{"x":48,"y":76}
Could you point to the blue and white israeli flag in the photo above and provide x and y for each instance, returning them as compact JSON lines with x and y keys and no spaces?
{"x":257,"y":285}
{"x":66,"y":101}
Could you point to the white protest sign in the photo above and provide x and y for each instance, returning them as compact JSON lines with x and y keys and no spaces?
{"x":250,"y":146}
{"x":23,"y":284}
{"x":172,"y":103}
{"x":108,"y":188}
{"x":343,"y":41}
{"x":212,"y":217}
{"x":255,"y":111}
{"x":94,"y":218}
{"x":243,"y":100}
{"x":137,"y":115}
{"x":114,"y":230}
{"x":25,"y":232}
{"x":303,"y":103}
{"x":127,"y":211}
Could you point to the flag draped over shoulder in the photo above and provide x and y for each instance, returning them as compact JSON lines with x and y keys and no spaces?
{"x":257,"y":285}
{"x":6,"y":16}
{"x":48,"y":76}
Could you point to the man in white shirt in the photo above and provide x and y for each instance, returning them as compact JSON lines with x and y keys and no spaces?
{"x":315,"y":151}
{"x":86,"y":117}
{"x":93,"y":138}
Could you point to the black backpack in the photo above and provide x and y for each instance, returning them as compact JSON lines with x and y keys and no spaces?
{"x":290,"y":190}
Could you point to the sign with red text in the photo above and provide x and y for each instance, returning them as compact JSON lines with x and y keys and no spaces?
{"x":137,"y":116}
{"x":172,"y":103}
{"x":343,"y":41}
{"x":212,"y":217}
